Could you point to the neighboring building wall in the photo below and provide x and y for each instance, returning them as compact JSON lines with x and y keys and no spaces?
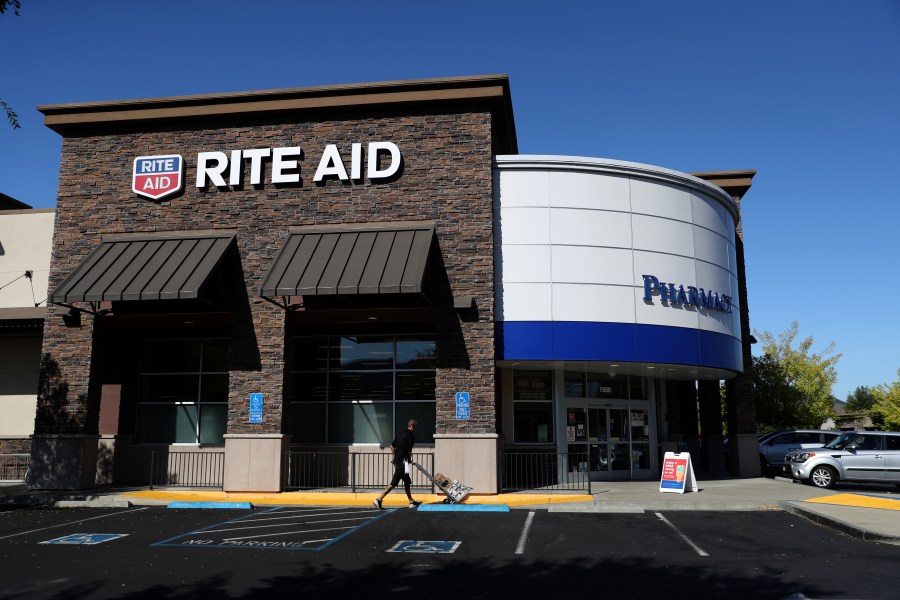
{"x":25,"y":242}
{"x":19,"y":366}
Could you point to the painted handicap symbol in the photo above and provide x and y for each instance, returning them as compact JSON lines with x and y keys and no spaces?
{"x":425,"y":547}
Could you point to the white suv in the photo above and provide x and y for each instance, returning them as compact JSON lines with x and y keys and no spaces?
{"x":774,"y":446}
{"x":865,"y":456}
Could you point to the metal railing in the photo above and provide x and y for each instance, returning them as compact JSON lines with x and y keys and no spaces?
{"x":187,"y":469}
{"x":545,"y":471}
{"x":14,"y":467}
{"x":354,"y":470}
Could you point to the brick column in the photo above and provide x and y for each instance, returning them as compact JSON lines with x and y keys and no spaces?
{"x":64,"y":446}
{"x":254,"y":452}
{"x":739,"y":396}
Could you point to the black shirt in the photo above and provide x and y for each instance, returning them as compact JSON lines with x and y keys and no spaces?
{"x":403,"y":445}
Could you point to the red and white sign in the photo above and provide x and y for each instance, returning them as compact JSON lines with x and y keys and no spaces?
{"x":157,"y":177}
{"x":677,"y":473}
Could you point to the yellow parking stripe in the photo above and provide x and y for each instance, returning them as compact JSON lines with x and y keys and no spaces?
{"x":349,"y":499}
{"x":859,"y":500}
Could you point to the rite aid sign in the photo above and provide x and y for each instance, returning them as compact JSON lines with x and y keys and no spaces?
{"x":157,"y":177}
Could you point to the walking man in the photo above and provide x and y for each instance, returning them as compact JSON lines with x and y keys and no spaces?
{"x":402,"y":448}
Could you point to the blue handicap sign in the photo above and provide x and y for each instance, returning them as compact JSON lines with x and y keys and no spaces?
{"x":425,"y":547}
{"x":462,"y":405}
{"x":256,"y":408}
{"x":86,"y":539}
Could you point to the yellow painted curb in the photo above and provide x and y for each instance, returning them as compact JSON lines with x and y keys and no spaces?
{"x":858,"y":500}
{"x":349,"y":499}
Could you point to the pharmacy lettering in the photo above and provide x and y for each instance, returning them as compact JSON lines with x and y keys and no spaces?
{"x":675,"y":295}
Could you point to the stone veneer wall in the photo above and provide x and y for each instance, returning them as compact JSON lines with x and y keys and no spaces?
{"x":9,"y":445}
{"x":446,"y":178}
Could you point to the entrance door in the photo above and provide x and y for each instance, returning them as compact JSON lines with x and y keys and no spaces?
{"x":616,"y":439}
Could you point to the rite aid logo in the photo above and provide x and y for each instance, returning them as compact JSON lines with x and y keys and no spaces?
{"x":157,"y":177}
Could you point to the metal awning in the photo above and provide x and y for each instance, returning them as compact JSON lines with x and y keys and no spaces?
{"x":351,"y":260}
{"x":165,"y":266}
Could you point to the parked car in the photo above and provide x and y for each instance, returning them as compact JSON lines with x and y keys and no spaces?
{"x":864,"y":456}
{"x":774,"y":446}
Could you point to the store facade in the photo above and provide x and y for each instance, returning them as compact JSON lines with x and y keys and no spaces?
{"x":310,"y":268}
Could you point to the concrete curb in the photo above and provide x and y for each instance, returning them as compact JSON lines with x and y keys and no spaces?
{"x":834,"y":523}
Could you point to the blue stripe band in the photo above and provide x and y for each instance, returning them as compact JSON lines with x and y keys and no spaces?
{"x":625,"y":342}
{"x":183,"y":504}
{"x":464,"y":508}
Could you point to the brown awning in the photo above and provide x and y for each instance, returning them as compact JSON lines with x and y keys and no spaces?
{"x":317,"y":261}
{"x":170,"y":266}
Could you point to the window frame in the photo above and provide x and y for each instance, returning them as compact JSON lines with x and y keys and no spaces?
{"x":197,"y":404}
{"x":333,"y":370}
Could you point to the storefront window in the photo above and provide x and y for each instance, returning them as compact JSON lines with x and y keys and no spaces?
{"x":183,"y":391}
{"x":595,"y":385}
{"x":533,"y":407}
{"x":361,"y":389}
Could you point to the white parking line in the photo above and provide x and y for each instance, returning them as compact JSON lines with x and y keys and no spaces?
{"x":73,"y":522}
{"x":282,"y":525}
{"x":352,"y":512}
{"x":285,"y":533}
{"x":520,"y":548}
{"x":687,"y":540}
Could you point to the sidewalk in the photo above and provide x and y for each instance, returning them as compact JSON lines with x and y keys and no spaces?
{"x":864,"y":511}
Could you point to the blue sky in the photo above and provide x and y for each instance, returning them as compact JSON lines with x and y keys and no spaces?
{"x":806,"y":92}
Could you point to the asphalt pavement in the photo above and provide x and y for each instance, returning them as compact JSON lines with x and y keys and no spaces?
{"x":869,"y":512}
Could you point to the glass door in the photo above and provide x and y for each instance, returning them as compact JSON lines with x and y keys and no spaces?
{"x":616,"y":441}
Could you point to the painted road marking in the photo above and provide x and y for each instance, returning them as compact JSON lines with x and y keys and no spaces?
{"x":86,"y":539}
{"x":425,"y":547}
{"x":280,"y":528}
{"x":464,"y":508}
{"x":72,"y":522}
{"x":687,"y":540}
{"x":520,"y":548}
{"x":859,"y":500}
{"x":227,"y":505}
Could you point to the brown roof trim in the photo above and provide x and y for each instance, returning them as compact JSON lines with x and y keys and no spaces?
{"x":23,"y":313}
{"x":735,"y":183}
{"x":491,"y":89}
{"x":10,"y":203}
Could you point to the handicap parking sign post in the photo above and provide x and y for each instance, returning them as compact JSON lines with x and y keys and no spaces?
{"x":256,"y":408}
{"x":462,"y":406}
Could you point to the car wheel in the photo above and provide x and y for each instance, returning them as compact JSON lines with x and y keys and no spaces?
{"x":823,"y":477}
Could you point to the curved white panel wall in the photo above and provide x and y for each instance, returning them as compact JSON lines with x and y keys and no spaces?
{"x":574,"y":238}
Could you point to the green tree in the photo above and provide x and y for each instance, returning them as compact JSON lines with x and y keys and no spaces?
{"x":793,"y":384}
{"x":10,"y":113}
{"x":887,"y":404}
{"x":860,"y":400}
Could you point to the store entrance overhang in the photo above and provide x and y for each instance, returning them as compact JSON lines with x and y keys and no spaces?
{"x":166,"y":266}
{"x":375,"y":265}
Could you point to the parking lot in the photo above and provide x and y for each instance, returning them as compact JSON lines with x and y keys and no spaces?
{"x":344,"y":552}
